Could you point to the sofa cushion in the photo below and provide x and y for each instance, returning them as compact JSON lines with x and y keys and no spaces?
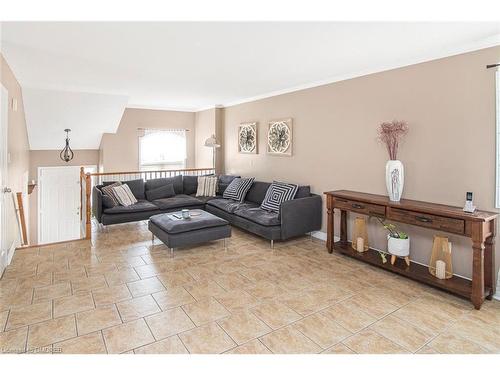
{"x":205,"y":199}
{"x":257,"y":192}
{"x":107,"y":201}
{"x":227,"y":205}
{"x":303,"y":191}
{"x":158,"y":182}
{"x":137,"y":188}
{"x":258,"y":215}
{"x":140,"y":206}
{"x":189,"y":184}
{"x":165,"y":191}
{"x":178,"y":201}
{"x":224,"y":181}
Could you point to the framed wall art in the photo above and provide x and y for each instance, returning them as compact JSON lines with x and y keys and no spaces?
{"x":280,"y":137}
{"x":247,"y":138}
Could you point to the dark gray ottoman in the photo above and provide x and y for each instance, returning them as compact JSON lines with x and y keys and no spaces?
{"x":175,"y":232}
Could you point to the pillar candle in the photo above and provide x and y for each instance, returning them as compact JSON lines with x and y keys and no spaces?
{"x":440,"y":269}
{"x":360,"y":244}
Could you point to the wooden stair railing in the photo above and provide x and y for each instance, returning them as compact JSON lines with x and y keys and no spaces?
{"x":22,"y":219}
{"x":88,"y":180}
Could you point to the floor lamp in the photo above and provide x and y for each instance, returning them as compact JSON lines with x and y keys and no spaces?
{"x":212,"y":143}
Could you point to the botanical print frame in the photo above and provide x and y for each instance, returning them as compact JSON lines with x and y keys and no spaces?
{"x":247,"y":138}
{"x":280,"y":137}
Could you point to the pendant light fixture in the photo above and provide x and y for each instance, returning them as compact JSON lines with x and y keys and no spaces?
{"x":67,"y":153}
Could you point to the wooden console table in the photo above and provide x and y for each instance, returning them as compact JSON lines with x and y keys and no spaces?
{"x":479,"y":226}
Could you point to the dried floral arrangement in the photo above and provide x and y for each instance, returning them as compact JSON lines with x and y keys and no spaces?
{"x":390,"y":134}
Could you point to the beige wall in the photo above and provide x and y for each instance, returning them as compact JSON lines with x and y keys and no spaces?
{"x":18,"y":146}
{"x":207,"y":123}
{"x":50,"y":158}
{"x":450,"y":107}
{"x":120,"y":151}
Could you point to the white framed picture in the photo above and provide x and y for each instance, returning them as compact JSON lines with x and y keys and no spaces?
{"x":247,"y":138}
{"x":280,"y":137}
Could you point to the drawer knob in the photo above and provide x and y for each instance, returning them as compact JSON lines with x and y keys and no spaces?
{"x":358,"y":206}
{"x":423,"y":219}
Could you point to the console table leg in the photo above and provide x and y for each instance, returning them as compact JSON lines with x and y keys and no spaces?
{"x":477,"y":297}
{"x":330,"y":229}
{"x":343,"y":226}
{"x":489,"y":265}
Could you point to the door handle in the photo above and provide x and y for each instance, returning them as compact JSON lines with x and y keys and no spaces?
{"x":7,"y":190}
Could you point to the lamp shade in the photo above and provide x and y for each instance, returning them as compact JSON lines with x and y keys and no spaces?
{"x":212,"y":142}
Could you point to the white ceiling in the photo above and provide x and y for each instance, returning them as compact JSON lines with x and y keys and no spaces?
{"x":88,"y":116}
{"x":191,"y":66}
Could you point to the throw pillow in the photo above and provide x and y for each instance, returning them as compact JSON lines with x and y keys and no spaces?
{"x":201,"y":186}
{"x":207,"y":186}
{"x":165,"y":191}
{"x":278,"y":193}
{"x":223,"y":182}
{"x":129,"y":193}
{"x":124,"y":195}
{"x":238,"y":189}
{"x":108,"y":190}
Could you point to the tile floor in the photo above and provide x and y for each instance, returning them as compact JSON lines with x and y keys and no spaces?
{"x":123,"y":295}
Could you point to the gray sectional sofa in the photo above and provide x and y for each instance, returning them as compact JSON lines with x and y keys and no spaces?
{"x":296,"y":217}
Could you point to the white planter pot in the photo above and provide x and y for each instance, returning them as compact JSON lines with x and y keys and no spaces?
{"x":394,"y":179}
{"x":399,"y":247}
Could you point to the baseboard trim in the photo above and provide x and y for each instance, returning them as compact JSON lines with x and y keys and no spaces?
{"x":11,"y":251}
{"x":53,"y":243}
{"x":322,"y":236}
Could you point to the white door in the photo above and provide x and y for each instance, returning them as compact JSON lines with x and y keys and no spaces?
{"x":4,"y":113}
{"x":58,"y":204}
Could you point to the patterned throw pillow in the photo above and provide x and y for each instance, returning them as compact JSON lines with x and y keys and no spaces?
{"x":108,"y":190}
{"x":238,"y":189}
{"x":207,"y":186}
{"x":276,"y":194}
{"x":124,"y":195}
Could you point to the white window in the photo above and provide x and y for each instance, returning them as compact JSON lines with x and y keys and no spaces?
{"x":162,"y":149}
{"x":498,"y":137}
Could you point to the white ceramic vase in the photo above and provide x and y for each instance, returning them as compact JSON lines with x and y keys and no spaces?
{"x":394,"y":179}
{"x":397,"y":246}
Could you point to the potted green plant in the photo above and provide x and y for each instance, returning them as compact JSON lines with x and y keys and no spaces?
{"x":398,"y":242}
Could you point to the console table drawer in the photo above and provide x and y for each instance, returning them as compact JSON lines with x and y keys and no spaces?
{"x":364,"y":208}
{"x":426,"y":220}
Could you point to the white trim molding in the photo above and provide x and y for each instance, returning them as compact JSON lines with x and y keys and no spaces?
{"x":497,"y":294}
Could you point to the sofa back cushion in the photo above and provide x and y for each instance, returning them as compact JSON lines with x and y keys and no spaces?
{"x":223,"y":182}
{"x":158,"y":182}
{"x":189,"y":184}
{"x":165,"y":191}
{"x":303,"y":191}
{"x":136,"y":186}
{"x":257,"y":192}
